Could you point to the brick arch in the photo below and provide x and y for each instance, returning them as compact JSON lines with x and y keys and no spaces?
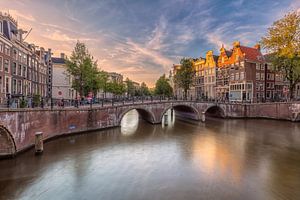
{"x":189,"y":108}
{"x":7,"y":143}
{"x":215,"y":111}
{"x":144,"y":113}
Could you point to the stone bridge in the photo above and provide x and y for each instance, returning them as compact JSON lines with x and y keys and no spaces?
{"x":18,"y":127}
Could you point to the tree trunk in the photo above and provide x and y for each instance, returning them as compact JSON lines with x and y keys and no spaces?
{"x":292,"y":89}
{"x":185,"y":94}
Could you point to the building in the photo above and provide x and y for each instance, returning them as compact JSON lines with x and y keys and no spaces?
{"x":61,"y":80}
{"x":199,"y":65}
{"x":210,"y":68}
{"x":222,"y":75}
{"x":24,"y":68}
{"x":115,"y":77}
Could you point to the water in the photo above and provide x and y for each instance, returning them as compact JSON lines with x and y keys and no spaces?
{"x":221,"y":159}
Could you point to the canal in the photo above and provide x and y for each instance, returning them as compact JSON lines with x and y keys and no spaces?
{"x":218,"y":159}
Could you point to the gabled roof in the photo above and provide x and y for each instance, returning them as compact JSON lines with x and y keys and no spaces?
{"x":58,"y":60}
{"x":252,"y":54}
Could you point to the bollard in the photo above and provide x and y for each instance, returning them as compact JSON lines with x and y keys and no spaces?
{"x":166,"y":120}
{"x":39,"y":147}
{"x":203,"y":116}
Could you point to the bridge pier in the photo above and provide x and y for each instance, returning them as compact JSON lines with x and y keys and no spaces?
{"x":203,"y":116}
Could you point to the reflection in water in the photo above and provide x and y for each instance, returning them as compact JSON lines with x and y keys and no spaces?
{"x":129,"y":123}
{"x":219,"y":159}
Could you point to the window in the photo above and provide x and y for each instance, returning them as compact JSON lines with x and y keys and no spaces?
{"x":1,"y":47}
{"x":236,"y":57}
{"x":1,"y":63}
{"x":257,"y":76}
{"x":19,"y":87}
{"x":14,"y":68}
{"x":262,"y":76}
{"x":1,"y":27}
{"x":14,"y":86}
{"x":242,"y":64}
{"x":237,"y":76}
{"x":6,"y":66}
{"x":242,"y":75}
{"x":7,"y":85}
{"x":257,"y":66}
{"x":1,"y":83}
{"x":24,"y":71}
{"x":7,"y":50}
{"x":20,"y":70}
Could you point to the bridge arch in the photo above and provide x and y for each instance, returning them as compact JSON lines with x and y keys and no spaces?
{"x":144,"y":113}
{"x":7,"y":143}
{"x":183,"y":111}
{"x":215,"y":111}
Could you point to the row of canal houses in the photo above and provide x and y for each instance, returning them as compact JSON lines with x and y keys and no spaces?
{"x":239,"y":74}
{"x":25,"y":69}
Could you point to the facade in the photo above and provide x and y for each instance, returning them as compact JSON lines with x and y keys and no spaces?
{"x":25,"y":70}
{"x":222,"y":75}
{"x":199,"y":65}
{"x":210,"y":68}
{"x":242,"y":74}
{"x":62,"y":81}
{"x":115,"y":77}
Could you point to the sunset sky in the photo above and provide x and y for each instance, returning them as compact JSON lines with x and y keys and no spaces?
{"x":142,"y":39}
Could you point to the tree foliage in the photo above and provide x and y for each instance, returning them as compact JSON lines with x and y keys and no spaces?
{"x":283,"y":41}
{"x":184,"y":75}
{"x":116,"y":88}
{"x":163,"y":87}
{"x":129,"y":87}
{"x":144,"y":89}
{"x":84,"y":71}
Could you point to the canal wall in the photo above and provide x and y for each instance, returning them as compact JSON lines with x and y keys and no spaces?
{"x":18,"y":127}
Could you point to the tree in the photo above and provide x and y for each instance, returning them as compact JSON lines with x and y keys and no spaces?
{"x":163,"y":87}
{"x":283,"y":41}
{"x":129,"y":87}
{"x":116,"y":88}
{"x":81,"y":66}
{"x":144,"y":89}
{"x":184,"y":75}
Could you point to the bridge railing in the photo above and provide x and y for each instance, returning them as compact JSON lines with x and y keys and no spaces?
{"x":103,"y":102}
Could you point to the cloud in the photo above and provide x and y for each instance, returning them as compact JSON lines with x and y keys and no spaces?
{"x":21,"y":15}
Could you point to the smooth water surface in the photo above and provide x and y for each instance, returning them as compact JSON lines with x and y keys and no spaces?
{"x":218,"y":159}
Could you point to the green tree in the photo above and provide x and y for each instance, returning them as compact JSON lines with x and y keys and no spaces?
{"x":116,"y":88}
{"x":129,"y":87}
{"x":83,"y":69}
{"x":163,"y":87}
{"x":283,"y":41}
{"x":184,"y":75}
{"x":144,"y":89}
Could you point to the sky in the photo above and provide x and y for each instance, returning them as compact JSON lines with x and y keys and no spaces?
{"x":142,"y":39}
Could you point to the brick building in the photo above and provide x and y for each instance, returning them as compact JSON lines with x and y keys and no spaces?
{"x":25,"y":70}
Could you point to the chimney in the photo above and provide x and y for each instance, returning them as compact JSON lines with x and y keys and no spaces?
{"x":62,"y":55}
{"x":257,"y":46}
